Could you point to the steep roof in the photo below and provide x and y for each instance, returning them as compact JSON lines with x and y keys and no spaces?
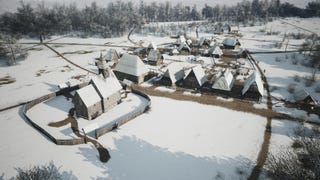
{"x":153,"y":55}
{"x":88,"y":95}
{"x":131,"y":64}
{"x":110,"y":54}
{"x":152,"y":45}
{"x":215,"y":50}
{"x":199,"y":74}
{"x":253,"y":78}
{"x":224,"y":82}
{"x":175,"y":72}
{"x":230,"y":41}
{"x":108,"y":86}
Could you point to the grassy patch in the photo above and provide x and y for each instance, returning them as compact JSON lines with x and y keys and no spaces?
{"x":7,"y":80}
{"x":78,"y":52}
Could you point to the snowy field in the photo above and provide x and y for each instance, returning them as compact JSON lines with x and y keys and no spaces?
{"x":166,"y":143}
{"x":175,"y":139}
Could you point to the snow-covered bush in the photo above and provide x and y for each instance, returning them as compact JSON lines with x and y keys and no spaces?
{"x":49,"y":171}
{"x":317,"y":89}
{"x":291,"y":88}
{"x":300,"y":162}
{"x":296,"y":78}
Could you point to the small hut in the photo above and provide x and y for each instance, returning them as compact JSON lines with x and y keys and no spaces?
{"x":225,"y":81}
{"x":154,"y":58}
{"x":303,"y":97}
{"x":231,"y":43}
{"x":214,"y":51}
{"x":87,"y":103}
{"x":253,"y":82}
{"x":132,"y":68}
{"x":111,"y":56}
{"x":195,"y":78}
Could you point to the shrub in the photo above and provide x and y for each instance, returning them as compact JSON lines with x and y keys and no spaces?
{"x":296,"y":78}
{"x":308,"y":81}
{"x":277,"y":59}
{"x":49,"y":171}
{"x":291,"y":88}
{"x":302,"y":162}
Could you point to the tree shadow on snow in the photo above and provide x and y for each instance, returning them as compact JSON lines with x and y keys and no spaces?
{"x":137,"y":159}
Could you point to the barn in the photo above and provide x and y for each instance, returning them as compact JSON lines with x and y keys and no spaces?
{"x":225,"y":81}
{"x":132,"y":68}
{"x":231,"y":43}
{"x":108,"y":90}
{"x":154,"y":58}
{"x":195,"y":78}
{"x":254,"y":84}
{"x":87,"y":103}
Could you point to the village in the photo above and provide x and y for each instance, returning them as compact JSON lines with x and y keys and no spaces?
{"x":100,"y":92}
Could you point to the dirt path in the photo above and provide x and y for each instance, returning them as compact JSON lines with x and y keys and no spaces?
{"x":263,"y":154}
{"x":135,"y":43}
{"x":103,"y":152}
{"x":298,"y":27}
{"x":80,"y":67}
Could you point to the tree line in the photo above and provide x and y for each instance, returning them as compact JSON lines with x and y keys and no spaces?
{"x":118,"y":17}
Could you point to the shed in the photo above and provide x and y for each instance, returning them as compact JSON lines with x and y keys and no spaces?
{"x":132,"y":68}
{"x":152,"y":45}
{"x":154,"y":58}
{"x":225,"y":81}
{"x":302,"y":96}
{"x":174,"y":73}
{"x":254,"y":81}
{"x":230,"y":43}
{"x":87,"y":103}
{"x":195,"y":78}
{"x":108,"y":90}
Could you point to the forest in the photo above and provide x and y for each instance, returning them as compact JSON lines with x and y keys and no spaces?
{"x":119,"y":17}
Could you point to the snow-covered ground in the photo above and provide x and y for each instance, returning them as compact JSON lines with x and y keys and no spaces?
{"x":175,"y":139}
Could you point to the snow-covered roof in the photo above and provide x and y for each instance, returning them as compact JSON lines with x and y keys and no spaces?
{"x":201,"y":41}
{"x":88,"y":95}
{"x":110,"y":54}
{"x":224,"y":82}
{"x":153,"y":55}
{"x":253,"y":78}
{"x":230,"y":41}
{"x":183,"y":45}
{"x":215,"y":50}
{"x":181,"y":39}
{"x":199,"y":74}
{"x":108,"y":86}
{"x":131,"y":64}
{"x":302,"y":94}
{"x":152,"y":45}
{"x":175,"y":72}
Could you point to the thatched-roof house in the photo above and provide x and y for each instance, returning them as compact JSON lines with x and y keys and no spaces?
{"x":108,"y":90}
{"x":111,"y":56}
{"x":154,"y":58}
{"x":224,"y":82}
{"x":253,"y":82}
{"x":214,"y":51}
{"x":87,"y":103}
{"x":230,"y":43}
{"x":195,"y":78}
{"x":132,"y":68}
{"x":174,"y":73}
{"x":302,"y":97}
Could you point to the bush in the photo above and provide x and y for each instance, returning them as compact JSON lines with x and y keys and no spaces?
{"x":291,"y":88}
{"x":277,"y":59}
{"x":308,"y":81}
{"x":296,"y":78}
{"x":317,"y":89}
{"x":49,"y":171}
{"x":302,"y":162}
